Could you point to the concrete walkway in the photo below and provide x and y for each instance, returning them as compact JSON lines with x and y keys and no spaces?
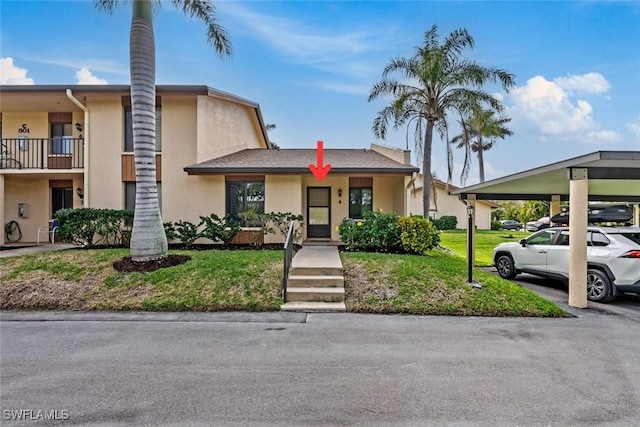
{"x":6,"y":253}
{"x":316,"y":283}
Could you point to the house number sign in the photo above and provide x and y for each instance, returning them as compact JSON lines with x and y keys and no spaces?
{"x":23,"y":129}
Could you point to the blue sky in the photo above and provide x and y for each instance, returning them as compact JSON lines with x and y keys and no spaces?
{"x":310,"y":65}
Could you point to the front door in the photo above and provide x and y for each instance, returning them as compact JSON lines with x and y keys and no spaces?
{"x":319,"y":212}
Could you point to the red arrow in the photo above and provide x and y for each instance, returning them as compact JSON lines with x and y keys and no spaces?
{"x":320,"y":171}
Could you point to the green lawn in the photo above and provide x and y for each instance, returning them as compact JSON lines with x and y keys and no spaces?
{"x":485,"y":241}
{"x":218,"y":280}
{"x":434,"y":284}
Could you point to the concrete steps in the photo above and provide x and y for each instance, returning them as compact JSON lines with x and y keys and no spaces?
{"x":316,"y":283}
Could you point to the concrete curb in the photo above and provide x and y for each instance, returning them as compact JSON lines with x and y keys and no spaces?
{"x":77,"y":316}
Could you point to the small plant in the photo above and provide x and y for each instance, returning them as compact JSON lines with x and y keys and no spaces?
{"x":170,"y":230}
{"x":187,"y":232}
{"x":281,"y":221}
{"x":417,"y":234}
{"x":219,"y":229}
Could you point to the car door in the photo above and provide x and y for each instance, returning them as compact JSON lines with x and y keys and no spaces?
{"x":532,"y":256}
{"x":558,"y":256}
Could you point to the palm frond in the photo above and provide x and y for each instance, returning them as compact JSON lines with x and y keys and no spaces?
{"x":205,"y":11}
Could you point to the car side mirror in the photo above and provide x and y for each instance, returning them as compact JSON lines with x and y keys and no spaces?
{"x":523,"y":242}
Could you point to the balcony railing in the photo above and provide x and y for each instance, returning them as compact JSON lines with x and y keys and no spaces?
{"x":42,"y":153}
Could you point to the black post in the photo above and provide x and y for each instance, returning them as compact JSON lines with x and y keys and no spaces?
{"x":470,"y":247}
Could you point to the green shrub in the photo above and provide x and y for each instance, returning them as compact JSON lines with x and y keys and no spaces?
{"x":417,"y":234}
{"x":186,"y":232}
{"x":219,"y":229}
{"x":281,"y":221}
{"x":170,"y":230}
{"x":375,"y":231}
{"x":91,"y":227}
{"x":446,"y":222}
{"x":495,"y":225}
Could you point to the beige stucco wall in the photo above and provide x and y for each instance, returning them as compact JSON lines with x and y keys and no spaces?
{"x":106,"y":136}
{"x":36,"y":194}
{"x":37,"y":123}
{"x":388,"y":194}
{"x":400,"y":156}
{"x":225,"y":127}
{"x":282,"y":193}
{"x":451,"y":205}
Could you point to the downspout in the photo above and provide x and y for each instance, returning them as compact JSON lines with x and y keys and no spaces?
{"x":85,"y":200}
{"x":411,"y":183}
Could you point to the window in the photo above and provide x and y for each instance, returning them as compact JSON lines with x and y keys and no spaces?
{"x":244,"y":196}
{"x":128,"y":129}
{"x":595,"y":238}
{"x":360,"y":201}
{"x":543,"y":238}
{"x":563,"y":239}
{"x":130,"y":195}
{"x":61,"y":138}
{"x":61,"y":198}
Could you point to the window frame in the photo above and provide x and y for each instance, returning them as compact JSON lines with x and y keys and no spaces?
{"x":234,"y":210}
{"x":128,"y":129}
{"x":359,"y":215}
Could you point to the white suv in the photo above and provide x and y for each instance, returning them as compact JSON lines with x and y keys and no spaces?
{"x":613,"y":259}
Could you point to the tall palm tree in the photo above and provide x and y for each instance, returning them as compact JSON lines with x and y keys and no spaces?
{"x":435,"y":81}
{"x":148,"y":239}
{"x":479,"y":131}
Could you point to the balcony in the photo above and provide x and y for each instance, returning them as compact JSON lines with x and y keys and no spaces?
{"x":42,"y":153}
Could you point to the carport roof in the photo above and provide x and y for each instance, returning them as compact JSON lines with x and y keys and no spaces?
{"x":613,"y":176}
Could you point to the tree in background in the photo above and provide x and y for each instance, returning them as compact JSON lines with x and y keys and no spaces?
{"x":480,"y":129}
{"x":148,"y":238}
{"x":433,"y":82}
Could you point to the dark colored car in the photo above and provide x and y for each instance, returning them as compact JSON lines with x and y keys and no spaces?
{"x":599,"y":213}
{"x":510,"y":224}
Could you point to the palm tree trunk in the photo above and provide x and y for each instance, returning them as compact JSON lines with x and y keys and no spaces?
{"x":426,"y":169}
{"x":481,"y":162}
{"x":148,"y":239}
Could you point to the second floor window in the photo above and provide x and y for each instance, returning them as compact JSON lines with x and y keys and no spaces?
{"x":61,"y":138}
{"x":128,"y":129}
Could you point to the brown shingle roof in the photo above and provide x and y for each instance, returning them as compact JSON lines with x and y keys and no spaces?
{"x":295,"y":161}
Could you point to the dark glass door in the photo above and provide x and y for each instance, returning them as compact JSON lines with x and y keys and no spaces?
{"x":61,"y":198}
{"x":319,"y":212}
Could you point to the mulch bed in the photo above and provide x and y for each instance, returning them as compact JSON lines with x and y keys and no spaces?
{"x":126,"y":265}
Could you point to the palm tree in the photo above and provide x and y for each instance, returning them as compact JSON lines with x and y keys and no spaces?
{"x":480,"y":130}
{"x":148,"y":239}
{"x":435,"y":81}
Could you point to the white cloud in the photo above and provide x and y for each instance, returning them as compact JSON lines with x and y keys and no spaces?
{"x":590,"y":83}
{"x":549,"y":107}
{"x":12,"y":75}
{"x":634,"y":127}
{"x":602,"y":136}
{"x":85,"y":77}
{"x":325,"y":49}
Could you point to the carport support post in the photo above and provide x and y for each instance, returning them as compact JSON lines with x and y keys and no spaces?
{"x":2,"y":210}
{"x":554,"y":206}
{"x":578,"y":197}
{"x":636,"y":215}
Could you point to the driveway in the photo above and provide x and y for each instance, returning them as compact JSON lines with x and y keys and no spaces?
{"x":243,"y":369}
{"x":624,"y":305}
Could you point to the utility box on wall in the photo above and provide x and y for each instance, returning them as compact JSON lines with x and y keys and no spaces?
{"x":23,"y":210}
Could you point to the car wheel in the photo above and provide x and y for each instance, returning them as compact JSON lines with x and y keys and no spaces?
{"x":505,"y":267}
{"x":598,"y":286}
{"x":518,"y":228}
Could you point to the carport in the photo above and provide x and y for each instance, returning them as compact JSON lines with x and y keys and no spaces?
{"x":603,"y":176}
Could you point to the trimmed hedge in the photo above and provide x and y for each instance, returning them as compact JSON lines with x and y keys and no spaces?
{"x":446,"y":222}
{"x":91,"y":227}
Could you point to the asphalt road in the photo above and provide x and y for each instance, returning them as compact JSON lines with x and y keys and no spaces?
{"x":319,"y":369}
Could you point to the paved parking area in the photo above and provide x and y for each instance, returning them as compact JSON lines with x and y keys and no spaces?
{"x":321,"y":369}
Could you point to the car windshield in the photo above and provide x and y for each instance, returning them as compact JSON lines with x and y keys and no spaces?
{"x":634,"y":237}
